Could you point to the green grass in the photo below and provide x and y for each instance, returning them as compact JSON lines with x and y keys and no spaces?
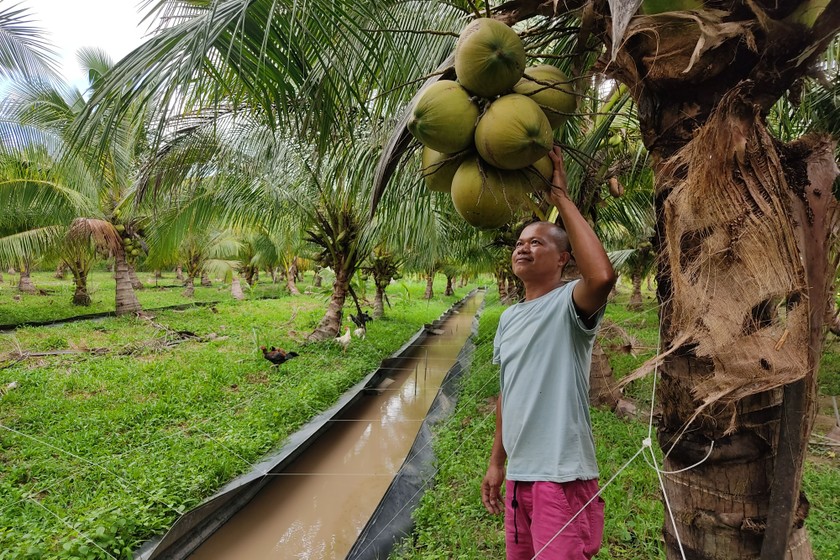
{"x":56,"y":303}
{"x":103,"y":451}
{"x":829,"y":376}
{"x":452,"y":523}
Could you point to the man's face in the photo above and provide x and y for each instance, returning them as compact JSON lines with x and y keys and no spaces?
{"x":536,"y":254}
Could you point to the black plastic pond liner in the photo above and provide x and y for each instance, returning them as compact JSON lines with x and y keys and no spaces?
{"x":197,"y":525}
{"x":392,"y":519}
{"x":101,"y":314}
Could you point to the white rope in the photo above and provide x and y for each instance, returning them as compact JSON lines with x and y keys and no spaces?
{"x":195,"y":426}
{"x":65,"y":522}
{"x":647,"y":444}
{"x":450,"y":420}
{"x":115,"y":475}
{"x":667,"y":503}
{"x":598,"y":493}
{"x":678,"y":471}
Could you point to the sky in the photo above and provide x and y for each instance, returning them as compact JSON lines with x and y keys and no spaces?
{"x":112,"y":25}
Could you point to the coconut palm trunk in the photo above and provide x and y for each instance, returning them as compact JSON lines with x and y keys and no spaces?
{"x":189,"y":287}
{"x":744,"y":227}
{"x":430,"y":286}
{"x":125,"y":299}
{"x":250,"y":275}
{"x":236,"y":288}
{"x":635,"y":302}
{"x":317,"y":278}
{"x":745,"y":238}
{"x":25,"y":283}
{"x":135,"y":281}
{"x":449,"y":290}
{"x":291,"y":277}
{"x":331,"y":322}
{"x":81,"y":295}
{"x":205,"y":279}
{"x":512,"y":289}
{"x":501,"y":286}
{"x":379,"y":301}
{"x":602,"y":385}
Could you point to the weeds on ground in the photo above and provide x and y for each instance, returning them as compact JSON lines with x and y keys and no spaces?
{"x":104,"y":449}
{"x":53,"y":301}
{"x":452,"y":523}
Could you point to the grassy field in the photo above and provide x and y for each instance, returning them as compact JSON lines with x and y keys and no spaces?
{"x":122,"y":425}
{"x":54,"y":300}
{"x":452,"y":523}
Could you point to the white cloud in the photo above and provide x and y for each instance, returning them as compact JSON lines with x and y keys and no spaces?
{"x":112,"y":25}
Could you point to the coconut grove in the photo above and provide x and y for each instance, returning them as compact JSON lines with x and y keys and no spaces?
{"x":273,"y":173}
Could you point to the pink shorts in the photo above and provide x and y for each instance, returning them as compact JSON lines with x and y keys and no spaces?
{"x":534,"y":528}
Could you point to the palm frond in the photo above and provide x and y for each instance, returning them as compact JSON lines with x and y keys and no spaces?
{"x":23,"y":49}
{"x":29,"y":244}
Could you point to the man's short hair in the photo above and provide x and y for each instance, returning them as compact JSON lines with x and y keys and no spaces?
{"x":558,"y":235}
{"x":561,"y":239}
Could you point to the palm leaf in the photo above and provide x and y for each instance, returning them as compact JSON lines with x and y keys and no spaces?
{"x":23,"y":50}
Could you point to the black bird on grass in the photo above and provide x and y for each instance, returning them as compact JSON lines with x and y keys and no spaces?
{"x":277,"y":356}
{"x":361,"y":319}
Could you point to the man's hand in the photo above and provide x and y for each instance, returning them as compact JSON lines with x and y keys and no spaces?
{"x":490,"y":489}
{"x":559,"y":184}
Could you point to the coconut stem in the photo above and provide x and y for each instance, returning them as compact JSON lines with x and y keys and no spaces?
{"x":534,"y":208}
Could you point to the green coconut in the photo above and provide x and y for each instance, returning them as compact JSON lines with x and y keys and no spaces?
{"x":807,"y":13}
{"x":489,"y":57}
{"x":438,"y":169}
{"x":444,"y":117}
{"x":539,"y":174}
{"x":513,"y":133}
{"x":549,"y":87}
{"x":484,"y":196}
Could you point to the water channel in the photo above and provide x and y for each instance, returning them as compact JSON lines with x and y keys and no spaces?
{"x":317,"y":507}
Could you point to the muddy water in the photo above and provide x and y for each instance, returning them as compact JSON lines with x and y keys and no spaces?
{"x":317,"y":507}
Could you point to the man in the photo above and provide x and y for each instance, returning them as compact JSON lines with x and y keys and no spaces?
{"x":543,"y":430}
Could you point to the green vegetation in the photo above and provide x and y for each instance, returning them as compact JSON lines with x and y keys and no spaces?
{"x":104,"y":445}
{"x":106,"y":442}
{"x":55,"y":301}
{"x":452,"y":523}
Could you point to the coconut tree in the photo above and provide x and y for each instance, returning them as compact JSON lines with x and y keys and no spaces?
{"x":736,"y":280}
{"x":37,"y":204}
{"x":734,"y":207}
{"x":84,"y":239}
{"x":383,"y":266}
{"x":203,"y":253}
{"x":733,"y":204}
{"x":338,"y":231}
{"x":40,"y":118}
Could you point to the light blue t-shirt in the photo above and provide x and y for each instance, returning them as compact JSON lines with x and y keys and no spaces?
{"x":545,"y":352}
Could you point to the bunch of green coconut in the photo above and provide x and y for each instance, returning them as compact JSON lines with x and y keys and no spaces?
{"x":486,"y":136}
{"x":132,"y":247}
